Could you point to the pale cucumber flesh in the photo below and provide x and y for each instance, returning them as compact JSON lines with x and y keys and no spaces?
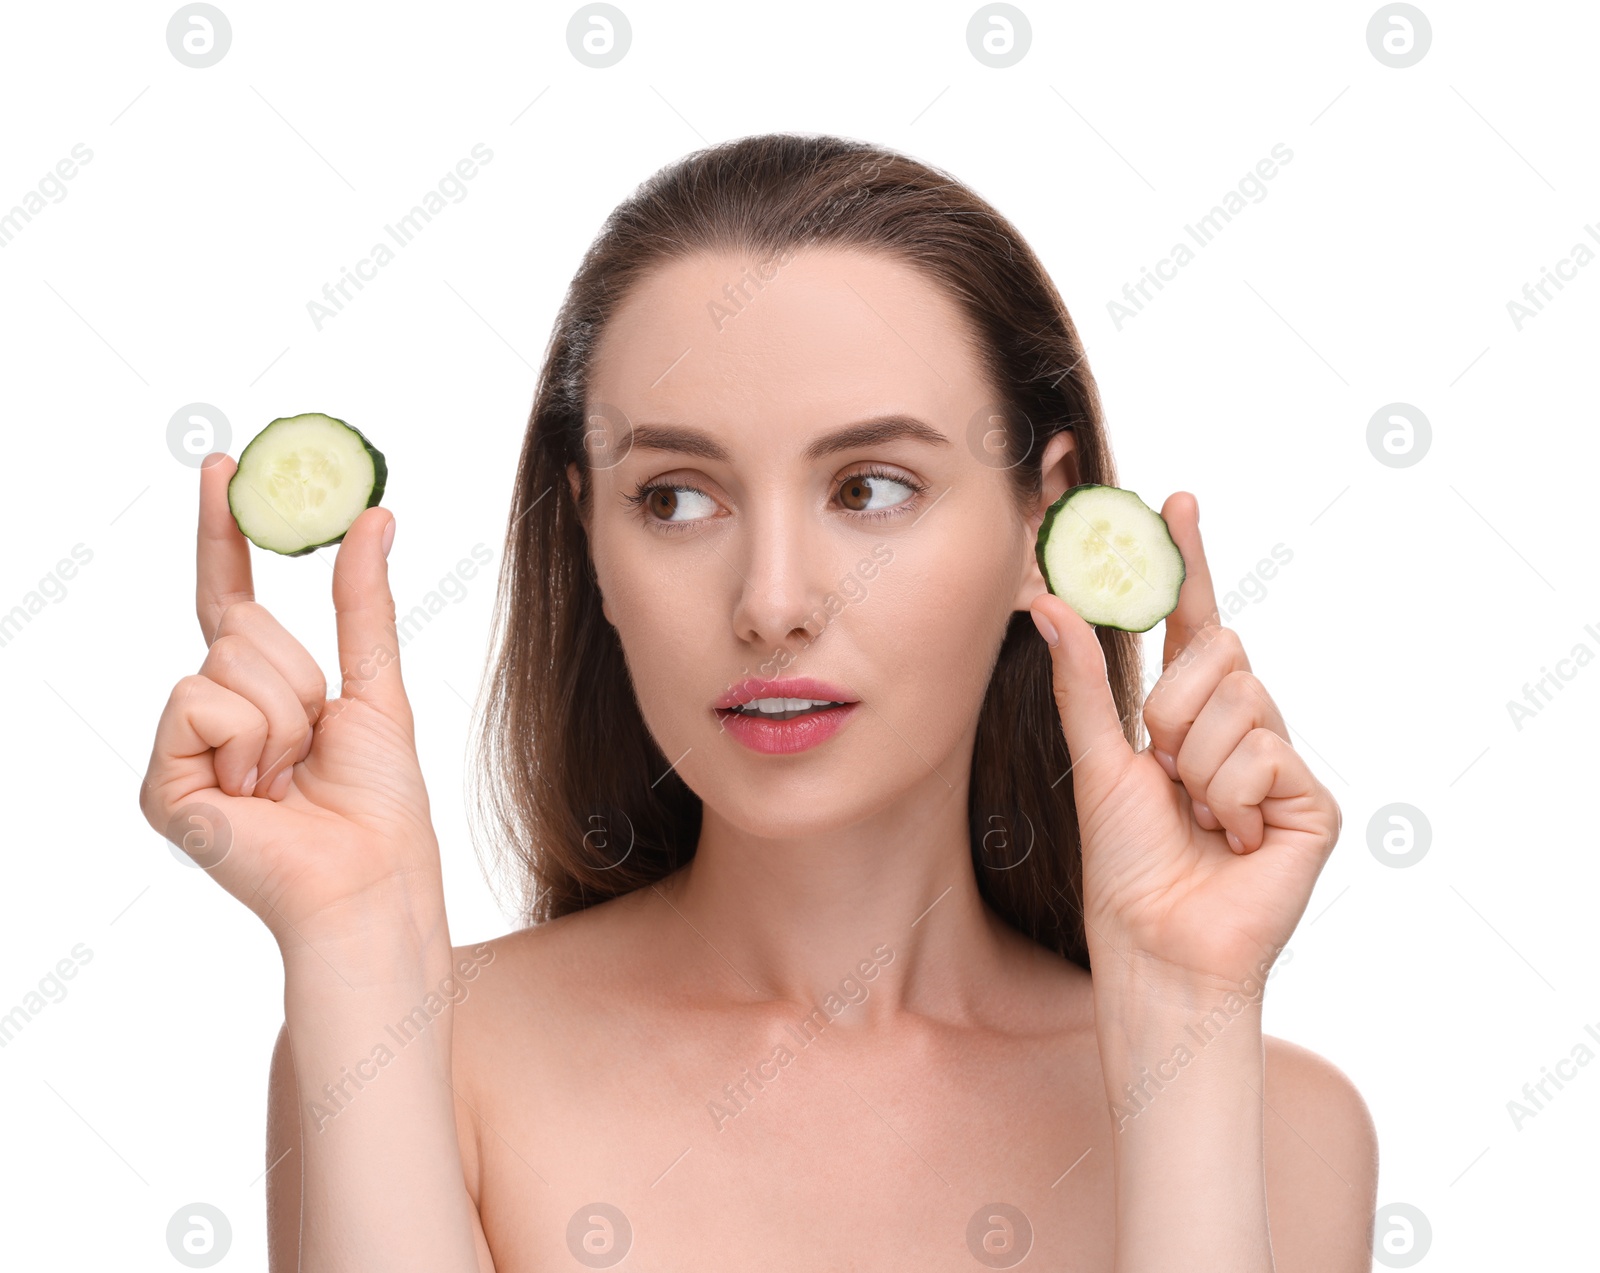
{"x":302,"y":481}
{"x":1110,"y":557}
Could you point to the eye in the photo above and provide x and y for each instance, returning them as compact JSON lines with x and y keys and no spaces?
{"x":661,"y":503}
{"x":875,"y":491}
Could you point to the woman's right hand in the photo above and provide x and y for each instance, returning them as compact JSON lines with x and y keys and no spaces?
{"x":318,"y":818}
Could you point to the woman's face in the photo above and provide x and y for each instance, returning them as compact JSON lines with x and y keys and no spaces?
{"x":777,"y":546}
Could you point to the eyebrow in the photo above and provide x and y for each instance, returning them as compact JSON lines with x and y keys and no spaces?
{"x":863,"y":433}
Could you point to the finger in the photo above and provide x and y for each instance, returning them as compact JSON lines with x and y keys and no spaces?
{"x":208,"y":738}
{"x":206,"y":742}
{"x":1266,"y":782}
{"x":234,"y":663}
{"x":369,"y":647}
{"x":1239,"y":705}
{"x":1185,"y":686}
{"x":1197,"y":601}
{"x":1089,"y":720}
{"x":256,"y":624}
{"x":222,"y":553}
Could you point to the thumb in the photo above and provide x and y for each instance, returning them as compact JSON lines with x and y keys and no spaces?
{"x":369,"y":646}
{"x":1089,"y":720}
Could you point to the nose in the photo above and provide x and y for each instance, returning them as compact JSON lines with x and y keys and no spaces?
{"x":783,"y":571}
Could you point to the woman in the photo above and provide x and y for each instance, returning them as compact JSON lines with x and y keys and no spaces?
{"x":810,"y":990}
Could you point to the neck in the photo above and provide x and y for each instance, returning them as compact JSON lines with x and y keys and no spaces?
{"x":883,"y":915}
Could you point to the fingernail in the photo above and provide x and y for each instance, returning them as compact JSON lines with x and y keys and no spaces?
{"x":280,"y":785}
{"x":388,"y":537}
{"x":250,"y":780}
{"x":1166,"y":762}
{"x":1046,"y":629}
{"x":1203,"y":811}
{"x":1235,"y":842}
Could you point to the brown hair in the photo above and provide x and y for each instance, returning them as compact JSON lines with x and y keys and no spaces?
{"x":574,"y":780}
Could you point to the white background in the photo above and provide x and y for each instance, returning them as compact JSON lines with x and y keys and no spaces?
{"x":1377,"y":269}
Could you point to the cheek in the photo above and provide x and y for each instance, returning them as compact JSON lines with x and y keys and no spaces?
{"x":664,"y":621}
{"x":930,"y":628}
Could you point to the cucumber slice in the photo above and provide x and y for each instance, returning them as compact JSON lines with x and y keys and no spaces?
{"x":1109,"y":555}
{"x":302,"y":481}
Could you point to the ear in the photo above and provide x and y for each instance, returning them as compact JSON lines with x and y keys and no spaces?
{"x":574,"y":486}
{"x":1058,"y":474}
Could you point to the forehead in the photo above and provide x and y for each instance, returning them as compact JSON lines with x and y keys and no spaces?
{"x":831,"y":334}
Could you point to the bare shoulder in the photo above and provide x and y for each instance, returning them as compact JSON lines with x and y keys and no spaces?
{"x":509,"y":1015}
{"x":517,"y":976}
{"x":538,"y":966}
{"x":1321,"y":1162}
{"x":523,"y":991}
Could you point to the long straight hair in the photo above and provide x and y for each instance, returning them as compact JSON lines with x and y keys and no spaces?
{"x":579,"y":801}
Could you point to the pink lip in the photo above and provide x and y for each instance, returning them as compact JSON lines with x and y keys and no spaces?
{"x":786,"y":736}
{"x":783,"y":737}
{"x":752,"y":688}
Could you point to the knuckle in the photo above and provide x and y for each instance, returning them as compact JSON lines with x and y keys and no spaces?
{"x":1219,"y":644}
{"x":187,"y":687}
{"x":1158,"y":716}
{"x":1210,"y":644}
{"x":226,"y":604}
{"x":1228,"y":788}
{"x":1263,"y":742}
{"x":241,"y":605}
{"x":1246,"y":689}
{"x":1223,"y":798}
{"x":232,"y":619}
{"x":147,"y":801}
{"x":1241,"y":687}
{"x":228,"y":650}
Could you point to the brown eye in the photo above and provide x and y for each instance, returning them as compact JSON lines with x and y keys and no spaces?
{"x":855,"y":493}
{"x":660,"y":505}
{"x":664,"y":501}
{"x":874,"y":492}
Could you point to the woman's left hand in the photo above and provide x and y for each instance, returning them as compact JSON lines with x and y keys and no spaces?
{"x":1199,"y":852}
